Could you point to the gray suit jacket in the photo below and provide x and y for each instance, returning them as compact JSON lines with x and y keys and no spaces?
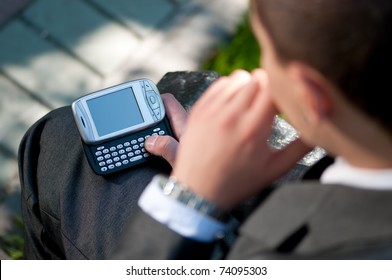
{"x":305,"y":220}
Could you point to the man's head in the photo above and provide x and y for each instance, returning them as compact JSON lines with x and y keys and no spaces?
{"x":347,"y":42}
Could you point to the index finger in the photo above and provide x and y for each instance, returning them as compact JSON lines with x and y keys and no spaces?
{"x":176,"y":113}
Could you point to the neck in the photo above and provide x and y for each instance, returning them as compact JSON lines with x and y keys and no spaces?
{"x":359,"y":140}
{"x":375,"y":156}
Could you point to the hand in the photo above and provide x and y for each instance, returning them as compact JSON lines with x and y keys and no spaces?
{"x":166,"y":146}
{"x":223,"y":154}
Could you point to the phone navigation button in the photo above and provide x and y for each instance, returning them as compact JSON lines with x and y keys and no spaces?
{"x":152,"y":99}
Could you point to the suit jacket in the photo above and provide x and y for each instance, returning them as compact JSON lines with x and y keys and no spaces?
{"x":302,"y":220}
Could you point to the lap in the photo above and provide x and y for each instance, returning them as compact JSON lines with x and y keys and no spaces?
{"x":69,"y":211}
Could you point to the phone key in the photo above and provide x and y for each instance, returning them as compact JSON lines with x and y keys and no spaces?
{"x":156,"y":129}
{"x":112,"y":149}
{"x":128,"y":149}
{"x":106,"y":151}
{"x":143,"y":150}
{"x":100,"y":148}
{"x":141,"y":139}
{"x":125,"y":162}
{"x":146,"y":155}
{"x":147,"y":136}
{"x":114,"y":154}
{"x":138,"y":152}
{"x":118,"y":164}
{"x":99,"y":153}
{"x":162,"y":132}
{"x":99,"y":158}
{"x":133,"y":142}
{"x":147,"y":86}
{"x":135,"y":147}
{"x":120,"y":146}
{"x":102,"y":163}
{"x":135,"y":158}
{"x":111,"y":166}
{"x":157,"y":113}
{"x":108,"y":156}
{"x":116,"y":159}
{"x":131,"y":154}
{"x":154,"y":134}
{"x":127,"y":144}
{"x":141,"y":145}
{"x":121,"y":152}
{"x":109,"y":161}
{"x":103,"y":169}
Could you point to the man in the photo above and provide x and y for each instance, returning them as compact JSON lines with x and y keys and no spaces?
{"x":325,"y":65}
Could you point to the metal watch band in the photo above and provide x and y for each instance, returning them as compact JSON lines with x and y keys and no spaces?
{"x":180,"y":192}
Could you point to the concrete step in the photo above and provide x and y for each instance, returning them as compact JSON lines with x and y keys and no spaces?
{"x":41,"y":68}
{"x":140,"y":16}
{"x":94,"y":38}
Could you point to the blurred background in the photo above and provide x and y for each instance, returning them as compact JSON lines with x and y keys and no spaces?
{"x":53,"y":51}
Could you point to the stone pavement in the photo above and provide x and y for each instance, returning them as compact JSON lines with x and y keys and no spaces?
{"x":54,"y":51}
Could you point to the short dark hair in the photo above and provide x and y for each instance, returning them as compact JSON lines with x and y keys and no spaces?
{"x":348,"y":41}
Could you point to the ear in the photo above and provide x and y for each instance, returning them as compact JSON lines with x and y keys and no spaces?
{"x":313,"y":90}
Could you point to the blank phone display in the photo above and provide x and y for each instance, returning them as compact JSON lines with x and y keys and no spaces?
{"x":114,"y":112}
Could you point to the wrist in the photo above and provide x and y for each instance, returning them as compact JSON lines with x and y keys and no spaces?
{"x":209,"y":188}
{"x":179,"y":191}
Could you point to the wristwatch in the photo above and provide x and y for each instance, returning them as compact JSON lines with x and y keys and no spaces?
{"x":180,"y":192}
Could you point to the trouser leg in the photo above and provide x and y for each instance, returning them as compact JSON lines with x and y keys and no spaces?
{"x":68,"y":210}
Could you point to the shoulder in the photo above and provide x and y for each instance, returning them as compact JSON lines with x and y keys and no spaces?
{"x":320,"y":218}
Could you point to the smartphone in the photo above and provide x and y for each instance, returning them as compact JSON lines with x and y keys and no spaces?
{"x":114,"y":123}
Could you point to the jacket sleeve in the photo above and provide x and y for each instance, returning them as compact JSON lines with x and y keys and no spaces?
{"x":146,"y":239}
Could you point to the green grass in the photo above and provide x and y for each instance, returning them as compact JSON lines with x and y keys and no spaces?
{"x":12,"y":244}
{"x":242,"y":52}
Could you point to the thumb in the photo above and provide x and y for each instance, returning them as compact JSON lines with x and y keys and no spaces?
{"x":163,"y":146}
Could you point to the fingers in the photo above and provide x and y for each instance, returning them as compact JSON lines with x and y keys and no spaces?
{"x":163,"y":146}
{"x":262,"y":109}
{"x":221,"y":91}
{"x":176,"y":114}
{"x":247,"y":94}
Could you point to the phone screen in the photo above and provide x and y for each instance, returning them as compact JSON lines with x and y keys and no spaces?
{"x":115,"y":111}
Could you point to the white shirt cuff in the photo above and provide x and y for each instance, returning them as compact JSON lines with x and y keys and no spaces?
{"x":177,"y":216}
